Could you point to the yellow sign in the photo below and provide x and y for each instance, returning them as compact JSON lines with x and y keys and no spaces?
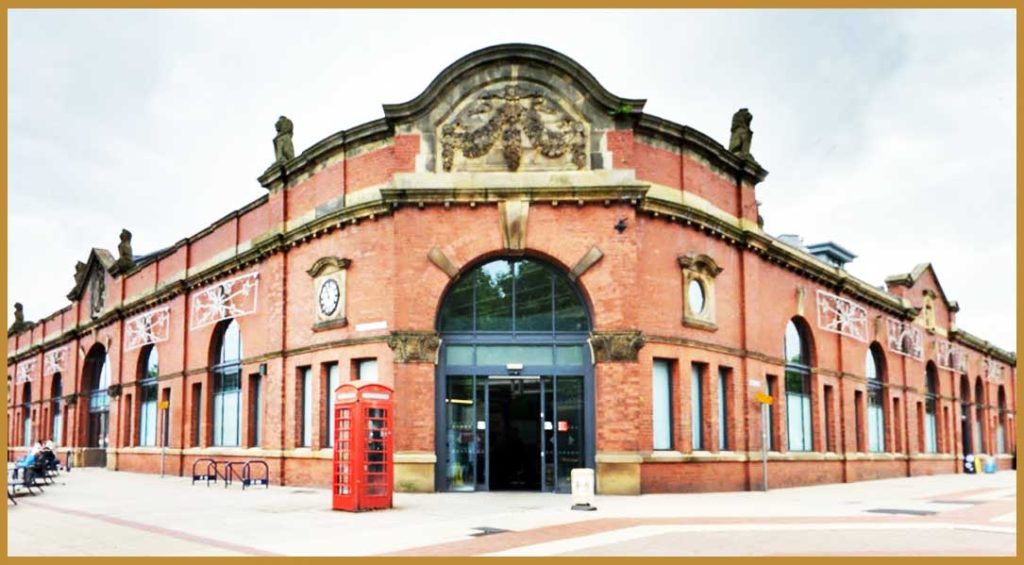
{"x":164,"y":404}
{"x":763,"y":398}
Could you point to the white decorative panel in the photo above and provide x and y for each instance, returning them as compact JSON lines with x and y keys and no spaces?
{"x":905,"y":339}
{"x":25,"y":370}
{"x":993,"y":371}
{"x":842,"y":316}
{"x":948,"y":355}
{"x":151,"y":327}
{"x":232,"y":298}
{"x":54,"y":361}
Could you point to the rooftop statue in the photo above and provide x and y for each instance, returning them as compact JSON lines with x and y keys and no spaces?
{"x":283,"y":148}
{"x":739,"y":143}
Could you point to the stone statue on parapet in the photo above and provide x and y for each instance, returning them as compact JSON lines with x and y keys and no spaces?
{"x":125,"y":259}
{"x":79,"y":272}
{"x":283,"y":149}
{"x":19,"y":324}
{"x":739,"y":143}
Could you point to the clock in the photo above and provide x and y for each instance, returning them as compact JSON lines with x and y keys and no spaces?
{"x":329,"y":295}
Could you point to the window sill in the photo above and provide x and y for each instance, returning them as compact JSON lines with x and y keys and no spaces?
{"x":700,"y":324}
{"x":330,"y":324}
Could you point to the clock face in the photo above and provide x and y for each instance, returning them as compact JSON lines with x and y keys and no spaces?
{"x":329,"y":294}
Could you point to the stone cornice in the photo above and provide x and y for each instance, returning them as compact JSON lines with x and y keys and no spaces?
{"x":512,"y":53}
{"x":982,"y":346}
{"x":688,"y":138}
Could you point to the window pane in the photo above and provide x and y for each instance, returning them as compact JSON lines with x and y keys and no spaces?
{"x":930,"y":442}
{"x":806,"y":416}
{"x":494,"y":297}
{"x":368,"y":370}
{"x":794,"y":345}
{"x":458,"y":312}
{"x":307,"y":407}
{"x":459,"y":354}
{"x":661,"y":400}
{"x":231,"y":343}
{"x":796,"y":382}
{"x":870,"y":370}
{"x":794,"y":421}
{"x":218,"y":419}
{"x":333,"y":382}
{"x":231,"y":418}
{"x":695,"y":296}
{"x":569,"y":355}
{"x":569,"y":313}
{"x":696,"y":410}
{"x":533,"y":298}
{"x":504,"y":354}
{"x":723,"y":424}
{"x":152,"y":364}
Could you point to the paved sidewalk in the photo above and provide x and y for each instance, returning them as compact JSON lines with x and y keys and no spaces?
{"x":98,"y":512}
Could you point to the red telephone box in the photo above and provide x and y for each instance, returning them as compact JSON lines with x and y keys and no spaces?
{"x":363,"y":462}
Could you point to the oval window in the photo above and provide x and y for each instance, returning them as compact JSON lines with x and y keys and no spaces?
{"x":695,"y":294}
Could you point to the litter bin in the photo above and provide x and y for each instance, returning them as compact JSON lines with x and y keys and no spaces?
{"x":990,"y":464}
{"x":969,"y":465}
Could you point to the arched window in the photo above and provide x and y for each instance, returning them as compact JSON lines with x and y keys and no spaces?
{"x":98,"y":370}
{"x":798,"y":386}
{"x":1001,"y":428}
{"x":513,"y":296}
{"x":874,"y":371}
{"x":965,"y":415}
{"x":931,"y":442}
{"x":979,"y":416}
{"x":149,"y":370}
{"x":57,"y":423}
{"x":26,"y":414}
{"x":227,"y":384}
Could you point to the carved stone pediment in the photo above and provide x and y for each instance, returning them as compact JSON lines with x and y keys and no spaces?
{"x":414,"y":347}
{"x":617,"y":345}
{"x":513,"y":126}
{"x":114,"y":390}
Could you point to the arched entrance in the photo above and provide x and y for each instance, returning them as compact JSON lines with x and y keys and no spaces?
{"x":515,"y":389}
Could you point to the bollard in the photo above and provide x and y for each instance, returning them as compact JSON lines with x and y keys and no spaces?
{"x":582,"y":489}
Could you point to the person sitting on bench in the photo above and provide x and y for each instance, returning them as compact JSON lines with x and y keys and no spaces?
{"x":27,"y":462}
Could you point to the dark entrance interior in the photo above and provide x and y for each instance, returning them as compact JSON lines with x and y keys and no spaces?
{"x":515,"y":434}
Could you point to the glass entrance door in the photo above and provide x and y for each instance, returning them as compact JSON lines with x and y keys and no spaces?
{"x":513,"y":432}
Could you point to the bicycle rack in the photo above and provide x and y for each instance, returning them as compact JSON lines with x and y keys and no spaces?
{"x":247,"y":478}
{"x":208,"y":475}
{"x":231,"y":473}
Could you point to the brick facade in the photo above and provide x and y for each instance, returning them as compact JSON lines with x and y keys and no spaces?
{"x":381,"y":196}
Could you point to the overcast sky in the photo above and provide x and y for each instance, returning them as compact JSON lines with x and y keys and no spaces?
{"x":888,"y":132}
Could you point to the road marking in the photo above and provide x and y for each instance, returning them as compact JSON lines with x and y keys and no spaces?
{"x":637,"y":532}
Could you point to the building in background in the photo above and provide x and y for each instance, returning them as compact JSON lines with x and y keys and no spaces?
{"x":549,"y":278}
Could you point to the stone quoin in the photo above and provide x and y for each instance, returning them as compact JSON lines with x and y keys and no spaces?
{"x":548,"y":277}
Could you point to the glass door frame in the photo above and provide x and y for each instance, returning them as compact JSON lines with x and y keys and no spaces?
{"x":442,"y":371}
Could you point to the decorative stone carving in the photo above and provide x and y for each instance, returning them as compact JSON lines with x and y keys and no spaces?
{"x":19,"y":324}
{"x":948,"y":355}
{"x":414,"y":346}
{"x":147,"y":328}
{"x":283,"y":149}
{"x":615,"y":346}
{"x":232,"y":298}
{"x":699,"y":272}
{"x":329,"y":292}
{"x":97,"y":292}
{"x":125,"y":259}
{"x":114,"y":390}
{"x":518,"y":118}
{"x":512,"y":215}
{"x":441,"y":261}
{"x":842,"y":316}
{"x":588,"y":260}
{"x":905,"y":339}
{"x":739,"y":143}
{"x":54,"y":361}
{"x":71,"y":399}
{"x":25,"y":370}
{"x":79,"y":272}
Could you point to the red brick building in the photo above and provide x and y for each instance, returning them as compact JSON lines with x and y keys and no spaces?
{"x":549,"y":278}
